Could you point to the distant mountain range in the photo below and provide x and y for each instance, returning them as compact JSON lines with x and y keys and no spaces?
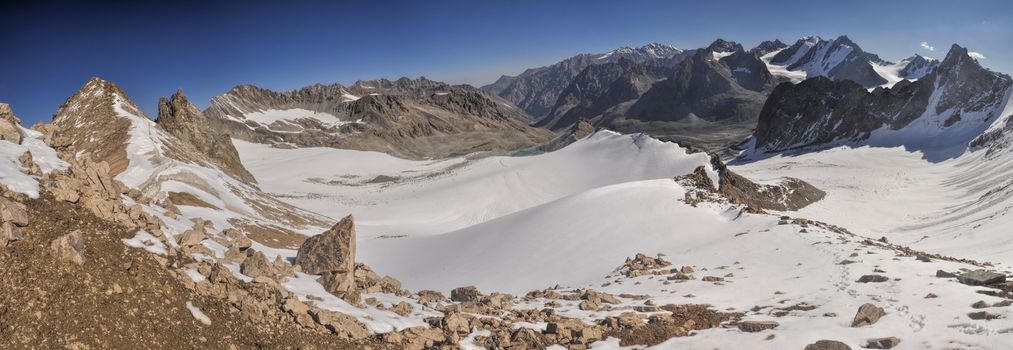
{"x":410,"y":118}
{"x":709,"y":98}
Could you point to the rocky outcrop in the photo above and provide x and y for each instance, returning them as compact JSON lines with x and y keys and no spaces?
{"x":959,"y":93}
{"x":69,"y":247}
{"x":13,"y":216}
{"x":182,"y":119}
{"x":332,"y":255}
{"x":9,"y":125}
{"x":789,"y":194}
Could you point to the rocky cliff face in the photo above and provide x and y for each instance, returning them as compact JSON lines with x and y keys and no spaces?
{"x":537,"y":90}
{"x":599,"y":88}
{"x":9,"y":123}
{"x":767,"y":47}
{"x":959,"y":93}
{"x":721,"y":82}
{"x":410,"y":118}
{"x":182,"y":119}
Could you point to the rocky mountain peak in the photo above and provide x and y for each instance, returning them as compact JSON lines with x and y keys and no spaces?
{"x":177,"y":110}
{"x":182,"y":119}
{"x":722,"y":45}
{"x":955,"y":57}
{"x":767,"y":47}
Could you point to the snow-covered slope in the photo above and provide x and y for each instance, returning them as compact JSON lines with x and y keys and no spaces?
{"x":13,"y":175}
{"x":393,"y":197}
{"x":958,"y":206}
{"x":570,"y":217}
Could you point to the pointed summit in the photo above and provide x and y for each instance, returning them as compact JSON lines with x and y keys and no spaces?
{"x":179,"y":117}
{"x":722,"y":45}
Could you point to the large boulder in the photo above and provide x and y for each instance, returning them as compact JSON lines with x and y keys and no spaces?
{"x":331,"y":254}
{"x":867,"y":314}
{"x":981,"y":277}
{"x":69,"y":247}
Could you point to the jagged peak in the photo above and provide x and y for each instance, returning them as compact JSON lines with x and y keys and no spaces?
{"x":809,"y":39}
{"x":956,"y":53}
{"x":722,"y":45}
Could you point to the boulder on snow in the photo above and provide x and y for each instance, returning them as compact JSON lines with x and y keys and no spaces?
{"x":981,"y":277}
{"x":867,"y":314}
{"x":757,"y":326}
{"x":194,"y":235}
{"x":827,"y":345}
{"x":882,"y":343}
{"x":331,"y":251}
{"x":69,"y":247}
{"x":872,"y":279}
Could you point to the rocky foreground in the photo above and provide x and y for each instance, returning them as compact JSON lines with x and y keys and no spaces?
{"x":92,"y":262}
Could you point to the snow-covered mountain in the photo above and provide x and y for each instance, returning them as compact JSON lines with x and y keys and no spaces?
{"x":413,"y":118}
{"x":839,"y":59}
{"x":938,"y":114}
{"x":536,"y":90}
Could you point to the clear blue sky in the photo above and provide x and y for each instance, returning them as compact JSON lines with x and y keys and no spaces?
{"x":151,"y":49}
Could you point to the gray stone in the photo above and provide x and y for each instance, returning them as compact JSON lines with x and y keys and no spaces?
{"x":981,"y":277}
{"x":827,"y":345}
{"x":883,"y":343}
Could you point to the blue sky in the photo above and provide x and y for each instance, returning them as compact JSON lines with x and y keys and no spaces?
{"x":207,"y":47}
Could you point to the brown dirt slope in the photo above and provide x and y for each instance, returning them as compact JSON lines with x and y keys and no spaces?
{"x":119,"y":299}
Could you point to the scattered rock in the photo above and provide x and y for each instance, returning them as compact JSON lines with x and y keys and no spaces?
{"x":401,"y":308}
{"x":883,"y":343}
{"x":642,"y":265}
{"x":827,"y":345}
{"x":944,"y":274}
{"x":194,"y":235}
{"x":867,"y":314}
{"x":757,"y":326}
{"x":429,"y":296}
{"x":873,"y":279}
{"x":343,"y":325}
{"x":69,"y":247}
{"x":588,"y":305}
{"x":983,"y":315}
